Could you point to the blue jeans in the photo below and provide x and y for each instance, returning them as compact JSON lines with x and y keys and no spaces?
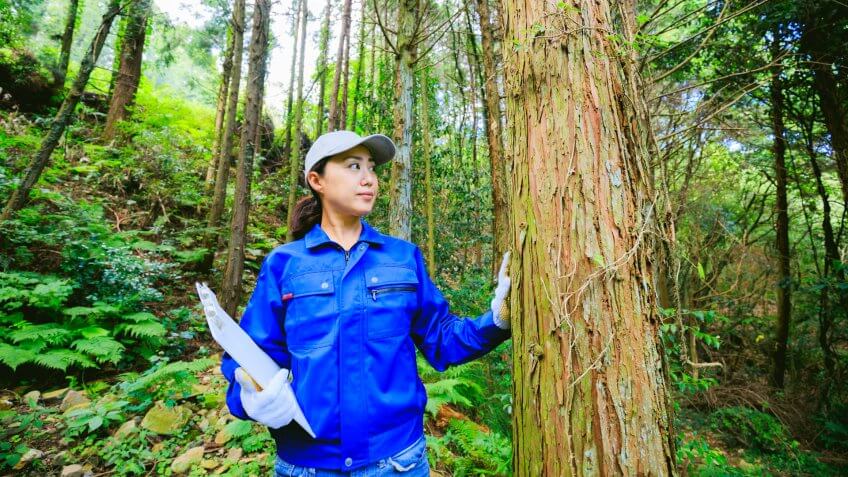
{"x":410,"y":462}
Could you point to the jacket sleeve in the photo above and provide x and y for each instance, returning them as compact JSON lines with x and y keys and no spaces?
{"x":263,"y":321}
{"x":446,"y":339}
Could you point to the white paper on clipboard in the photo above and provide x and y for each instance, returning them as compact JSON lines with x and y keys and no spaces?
{"x":238,"y":344}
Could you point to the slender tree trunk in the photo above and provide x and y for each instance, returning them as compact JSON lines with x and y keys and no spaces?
{"x":498,"y":166}
{"x":219,"y":196}
{"x":129,"y":71}
{"x":428,"y":173}
{"x":290,"y":99}
{"x":231,"y":289}
{"x":590,"y":392}
{"x":295,"y":171}
{"x":360,"y":64}
{"x":784,"y":283}
{"x":67,"y":42}
{"x":324,"y":46}
{"x":342,"y":113}
{"x":373,"y":85}
{"x":832,"y":265}
{"x":116,"y":50}
{"x":63,"y":117}
{"x":335,"y":113}
{"x":400,"y":186}
{"x":221,"y":110}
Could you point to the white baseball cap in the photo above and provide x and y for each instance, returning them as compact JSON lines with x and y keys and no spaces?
{"x":381,"y":147}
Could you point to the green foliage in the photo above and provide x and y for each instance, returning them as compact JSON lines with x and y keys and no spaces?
{"x":750,"y":428}
{"x":458,"y":385}
{"x":701,"y":460}
{"x":466,"y":449}
{"x":835,"y":429}
{"x":673,"y":337}
{"x":163,"y":381}
{"x":89,"y":419}
{"x":74,"y":337}
{"x":130,"y":455}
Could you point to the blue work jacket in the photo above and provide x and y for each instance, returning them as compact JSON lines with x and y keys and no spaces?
{"x":347,"y":325}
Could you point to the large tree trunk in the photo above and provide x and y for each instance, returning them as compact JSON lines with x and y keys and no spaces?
{"x":63,"y":117}
{"x":492,"y":110}
{"x":335,"y":111}
{"x":590,"y":392}
{"x":67,"y":42}
{"x":784,"y":279}
{"x":129,"y":71}
{"x":231,"y":289}
{"x":222,"y":174}
{"x":221,"y":110}
{"x":400,"y":185}
{"x":295,"y":171}
{"x":324,"y":46}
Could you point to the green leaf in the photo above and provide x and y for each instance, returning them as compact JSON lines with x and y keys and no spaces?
{"x":146,"y":329}
{"x":238,"y":428}
{"x":78,"y":311}
{"x":94,"y":423}
{"x":93,"y":332}
{"x":701,"y":273}
{"x":13,"y":356}
{"x":141,"y":316}
{"x":61,"y":359}
{"x":48,"y":333}
{"x":103,"y":348}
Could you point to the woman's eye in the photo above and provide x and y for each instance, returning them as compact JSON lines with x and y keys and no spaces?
{"x":354,"y":165}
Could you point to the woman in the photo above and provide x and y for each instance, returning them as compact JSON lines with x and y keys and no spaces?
{"x":344,"y":307}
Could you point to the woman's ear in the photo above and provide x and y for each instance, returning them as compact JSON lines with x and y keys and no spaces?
{"x":313,"y":179}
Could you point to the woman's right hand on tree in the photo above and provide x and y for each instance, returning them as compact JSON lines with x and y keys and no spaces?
{"x":499,"y":311}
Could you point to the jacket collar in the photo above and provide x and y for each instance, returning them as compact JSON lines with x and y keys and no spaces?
{"x":316,"y":236}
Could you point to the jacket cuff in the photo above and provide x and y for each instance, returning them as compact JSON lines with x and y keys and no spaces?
{"x":490,"y":331}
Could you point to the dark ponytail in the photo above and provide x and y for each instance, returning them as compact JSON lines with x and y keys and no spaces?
{"x":307,"y":212}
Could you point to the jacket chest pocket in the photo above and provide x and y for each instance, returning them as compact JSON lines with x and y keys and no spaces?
{"x":391,"y":301}
{"x":311,"y":317}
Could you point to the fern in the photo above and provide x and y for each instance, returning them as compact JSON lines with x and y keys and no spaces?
{"x":47,"y":333}
{"x":489,"y":453}
{"x":458,"y":385}
{"x":61,"y":359}
{"x":449,"y":391}
{"x":13,"y":356}
{"x":146,"y":329}
{"x":103,"y":348}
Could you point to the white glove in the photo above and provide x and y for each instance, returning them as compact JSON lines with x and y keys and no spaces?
{"x":274,"y":406}
{"x":500,"y":314}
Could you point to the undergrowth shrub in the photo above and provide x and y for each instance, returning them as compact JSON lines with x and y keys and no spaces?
{"x":80,"y":304}
{"x":750,"y":428}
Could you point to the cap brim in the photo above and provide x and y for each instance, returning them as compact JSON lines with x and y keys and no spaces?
{"x":382,"y":148}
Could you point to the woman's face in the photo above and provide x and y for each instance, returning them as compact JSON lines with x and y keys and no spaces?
{"x":349,"y":183}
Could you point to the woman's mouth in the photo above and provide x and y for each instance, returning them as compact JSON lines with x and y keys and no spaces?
{"x":366,"y":195}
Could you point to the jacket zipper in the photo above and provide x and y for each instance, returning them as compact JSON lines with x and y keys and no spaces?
{"x":378,"y":291}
